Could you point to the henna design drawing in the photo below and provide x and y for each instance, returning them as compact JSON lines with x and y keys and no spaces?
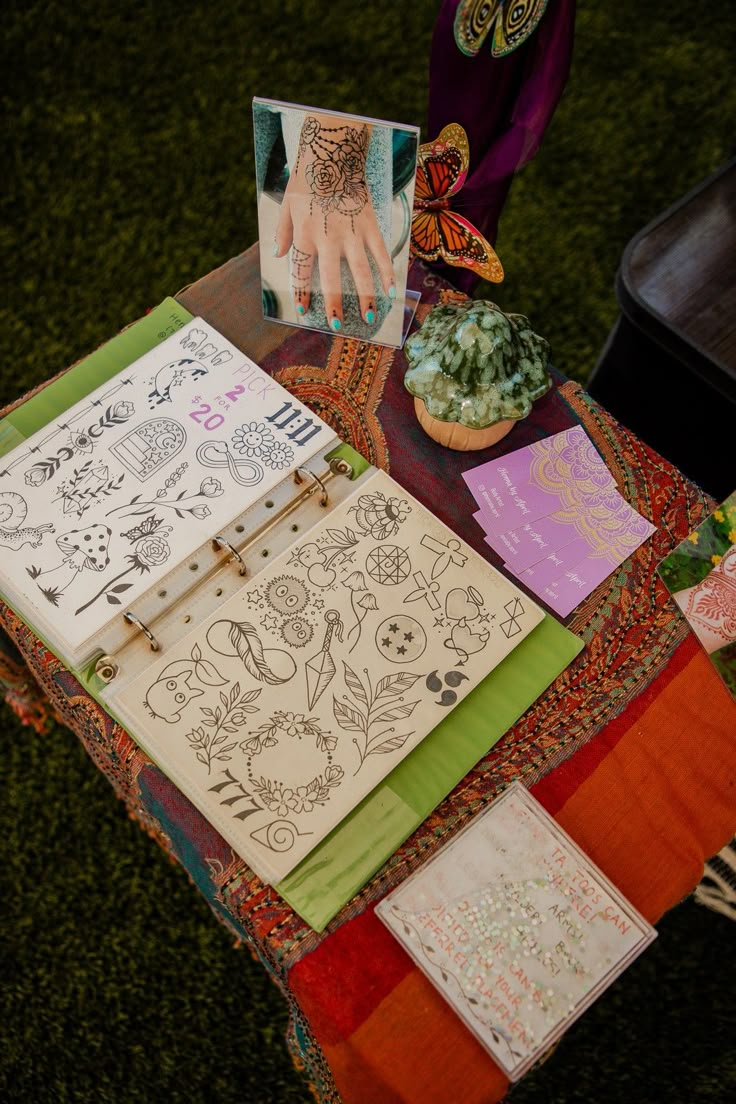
{"x":239,"y":812}
{"x":369,"y":709}
{"x":434,"y":683}
{"x":150,"y":550}
{"x":172,"y":375}
{"x":233,"y":638}
{"x":515,"y":610}
{"x":378,"y":516}
{"x":138,"y":507}
{"x":216,"y":454}
{"x":192,"y":339}
{"x":297,"y":632}
{"x":13,"y":512}
{"x":320,"y":669}
{"x":287,"y":595}
{"x":446,"y":553}
{"x":425,"y":590}
{"x":301,"y":272}
{"x":388,"y":564}
{"x":278,"y":797}
{"x":86,"y":487}
{"x":82,"y":549}
{"x":279,"y":835}
{"x":225,"y":719}
{"x":401,"y":639}
{"x":79,"y":441}
{"x":463,"y":607}
{"x":150,"y":446}
{"x":320,"y":561}
{"x":168,"y":696}
{"x":336,"y":174}
{"x":355,"y":583}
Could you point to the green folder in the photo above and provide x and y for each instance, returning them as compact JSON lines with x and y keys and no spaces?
{"x":344,"y":861}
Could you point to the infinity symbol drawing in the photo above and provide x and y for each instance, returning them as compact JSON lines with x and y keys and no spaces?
{"x":216,"y":454}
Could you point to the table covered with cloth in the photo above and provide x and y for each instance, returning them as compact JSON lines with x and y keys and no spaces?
{"x":631,"y":749}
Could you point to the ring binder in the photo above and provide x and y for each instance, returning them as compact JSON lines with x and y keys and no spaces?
{"x":324,"y":498}
{"x":133,"y":620}
{"x":220,"y":542}
{"x":337,"y":466}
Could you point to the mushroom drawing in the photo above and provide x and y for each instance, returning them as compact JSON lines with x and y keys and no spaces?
{"x":83,"y":550}
{"x":150,"y":550}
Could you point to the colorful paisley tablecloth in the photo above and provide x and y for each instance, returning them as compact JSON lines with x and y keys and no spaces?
{"x":632,"y":749}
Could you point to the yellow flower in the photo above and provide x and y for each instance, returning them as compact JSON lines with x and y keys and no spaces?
{"x":715,"y":559}
{"x":694,"y":538}
{"x":732,"y":536}
{"x":718,"y":515}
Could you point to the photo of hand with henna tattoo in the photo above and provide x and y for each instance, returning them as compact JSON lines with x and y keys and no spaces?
{"x":327,"y":216}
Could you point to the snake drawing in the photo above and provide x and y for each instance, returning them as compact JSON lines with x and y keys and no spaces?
{"x":13,"y":511}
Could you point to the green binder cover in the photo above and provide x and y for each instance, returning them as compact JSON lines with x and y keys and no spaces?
{"x":343,"y":862}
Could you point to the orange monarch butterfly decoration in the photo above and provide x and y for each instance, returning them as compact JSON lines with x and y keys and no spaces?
{"x":437,"y":233}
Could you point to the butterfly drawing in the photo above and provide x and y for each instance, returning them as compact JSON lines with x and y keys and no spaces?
{"x":437,"y":233}
{"x":512,"y":22}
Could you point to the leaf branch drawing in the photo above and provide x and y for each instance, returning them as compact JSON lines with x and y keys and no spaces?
{"x":371,"y":710}
{"x":86,"y":486}
{"x":223,"y":721}
{"x":181,"y":505}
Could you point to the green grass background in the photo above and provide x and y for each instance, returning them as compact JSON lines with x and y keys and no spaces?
{"x":127,"y":172}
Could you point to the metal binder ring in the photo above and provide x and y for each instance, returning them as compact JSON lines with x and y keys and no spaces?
{"x":323,"y":498}
{"x":220,"y":542}
{"x":133,"y":620}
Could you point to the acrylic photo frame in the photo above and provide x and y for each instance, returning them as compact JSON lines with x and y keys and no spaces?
{"x":335,"y":194}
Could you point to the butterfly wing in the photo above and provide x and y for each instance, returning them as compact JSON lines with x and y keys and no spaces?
{"x":473,"y":21}
{"x":425,"y":235}
{"x":442,"y":165}
{"x":517,"y":20}
{"x":445,"y":235}
{"x":514,"y":21}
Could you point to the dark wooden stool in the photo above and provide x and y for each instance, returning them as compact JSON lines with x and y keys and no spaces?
{"x":668,"y":370}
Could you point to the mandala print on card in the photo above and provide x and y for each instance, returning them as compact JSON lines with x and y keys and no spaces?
{"x":568,"y":466}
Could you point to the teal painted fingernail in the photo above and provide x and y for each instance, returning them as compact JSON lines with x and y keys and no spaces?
{"x":336,"y":324}
{"x":370,"y":317}
{"x":300,"y":309}
{"x":392,"y":292}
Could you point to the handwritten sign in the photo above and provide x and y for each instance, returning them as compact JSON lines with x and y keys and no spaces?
{"x":517,"y":928}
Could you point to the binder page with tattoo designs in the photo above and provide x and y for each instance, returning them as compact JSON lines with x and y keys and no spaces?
{"x":291,"y":701}
{"x":102,"y":510}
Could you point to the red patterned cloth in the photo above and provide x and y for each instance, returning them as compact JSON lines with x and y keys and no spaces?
{"x":631,"y":749}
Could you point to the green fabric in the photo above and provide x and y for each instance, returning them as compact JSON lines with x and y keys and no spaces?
{"x":338,"y":867}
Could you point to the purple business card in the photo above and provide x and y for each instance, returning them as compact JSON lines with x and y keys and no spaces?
{"x":531,"y":543}
{"x":560,"y":472}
